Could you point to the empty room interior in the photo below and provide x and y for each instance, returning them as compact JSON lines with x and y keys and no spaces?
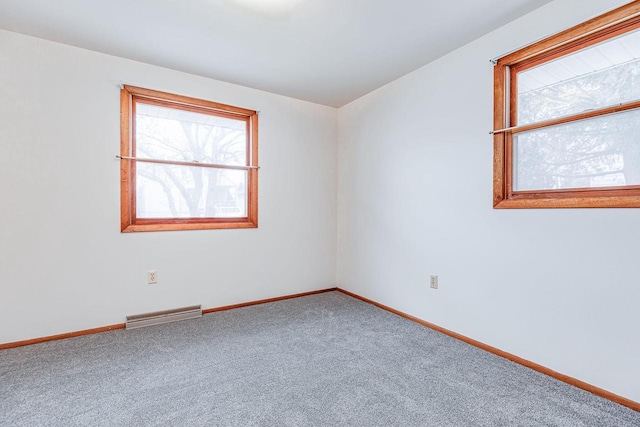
{"x":320,"y":212}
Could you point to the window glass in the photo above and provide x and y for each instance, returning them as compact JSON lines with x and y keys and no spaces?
{"x":186,"y":163}
{"x":172,"y":191}
{"x":599,"y":76}
{"x":599,"y":152}
{"x":175,"y":134}
{"x":567,"y":118}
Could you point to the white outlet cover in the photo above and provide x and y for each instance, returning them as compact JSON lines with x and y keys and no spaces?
{"x":152,"y":277}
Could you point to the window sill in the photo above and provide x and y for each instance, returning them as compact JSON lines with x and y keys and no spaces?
{"x":568,"y":202}
{"x":166,"y":226}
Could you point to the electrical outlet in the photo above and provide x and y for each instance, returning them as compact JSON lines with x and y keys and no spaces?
{"x":433,"y":282}
{"x":152,"y":277}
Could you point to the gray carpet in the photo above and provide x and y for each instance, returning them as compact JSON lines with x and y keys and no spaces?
{"x":321,"y":360}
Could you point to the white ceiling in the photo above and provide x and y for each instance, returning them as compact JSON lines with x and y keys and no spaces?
{"x":325,"y":51}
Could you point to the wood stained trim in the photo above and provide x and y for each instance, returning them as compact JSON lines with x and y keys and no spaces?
{"x":519,"y":360}
{"x":187,"y":101}
{"x":264,"y":301}
{"x":512,"y":357}
{"x":574,"y":117}
{"x":129,"y":97}
{"x":623,"y":13}
{"x":126,"y":168}
{"x":614,"y":23}
{"x":61,"y":336}
{"x":499,"y":143}
{"x":122,"y":325}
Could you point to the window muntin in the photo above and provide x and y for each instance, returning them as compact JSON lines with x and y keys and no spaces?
{"x":187,"y":163}
{"x":566,"y":115}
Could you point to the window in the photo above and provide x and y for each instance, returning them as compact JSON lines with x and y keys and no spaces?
{"x":567,"y":117}
{"x":186,"y":163}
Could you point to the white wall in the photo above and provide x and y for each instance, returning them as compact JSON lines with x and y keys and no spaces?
{"x":65,"y":266}
{"x":557,"y":287}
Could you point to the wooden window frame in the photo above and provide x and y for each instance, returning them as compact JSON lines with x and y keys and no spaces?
{"x":129,"y":95}
{"x":596,"y":30}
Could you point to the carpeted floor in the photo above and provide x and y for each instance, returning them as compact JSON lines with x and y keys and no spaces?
{"x":321,"y":360}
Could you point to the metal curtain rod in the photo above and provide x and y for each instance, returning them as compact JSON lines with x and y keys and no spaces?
{"x":493,"y":132}
{"x":494,"y":60}
{"x":194,"y":163}
{"x":608,"y":110}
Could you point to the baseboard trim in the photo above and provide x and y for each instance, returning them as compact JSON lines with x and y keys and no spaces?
{"x":519,"y":360}
{"x":122,"y":325}
{"x":264,"y":301}
{"x":529,"y":364}
{"x":61,"y":336}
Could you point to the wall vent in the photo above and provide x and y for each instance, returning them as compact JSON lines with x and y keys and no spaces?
{"x":166,"y":316}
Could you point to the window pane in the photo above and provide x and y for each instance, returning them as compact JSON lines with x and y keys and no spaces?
{"x":173,"y":134}
{"x":172,"y":191}
{"x":600,"y":152}
{"x":599,"y":76}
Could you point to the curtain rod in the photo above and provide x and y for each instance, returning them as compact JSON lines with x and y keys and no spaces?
{"x":193,"y":163}
{"x":495,"y":60}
